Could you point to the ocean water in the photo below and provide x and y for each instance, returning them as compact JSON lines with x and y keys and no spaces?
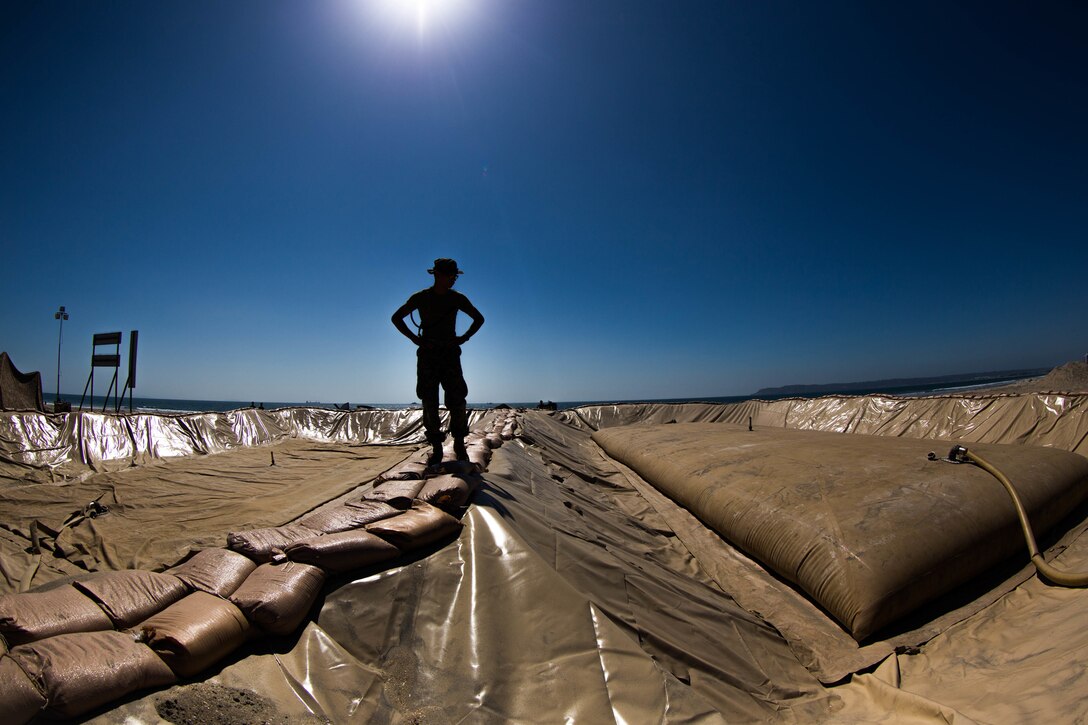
{"x":169,"y":406}
{"x":177,"y":406}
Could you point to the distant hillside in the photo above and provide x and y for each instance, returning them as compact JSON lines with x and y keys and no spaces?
{"x":891,"y":384}
{"x":1071,"y":377}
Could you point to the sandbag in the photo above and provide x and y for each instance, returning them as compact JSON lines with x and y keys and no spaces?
{"x":79,"y":672}
{"x":131,"y":596}
{"x":448,"y":492}
{"x":477,"y":449}
{"x":194,"y":633}
{"x":397,"y":493}
{"x":478,"y":438}
{"x":480,"y":454}
{"x":866,"y":525}
{"x":277,"y":597}
{"x":460,"y":468}
{"x":409,"y":470}
{"x":19,"y":698}
{"x":344,"y":551}
{"x":31,"y":616}
{"x":262,"y":545}
{"x":374,"y":510}
{"x":419,"y":526}
{"x":216,"y":571}
{"x":348,"y":516}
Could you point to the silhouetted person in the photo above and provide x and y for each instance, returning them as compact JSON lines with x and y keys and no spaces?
{"x":438,"y":359}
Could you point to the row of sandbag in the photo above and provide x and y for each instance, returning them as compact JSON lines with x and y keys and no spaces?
{"x":79,"y":645}
{"x":336,"y":538}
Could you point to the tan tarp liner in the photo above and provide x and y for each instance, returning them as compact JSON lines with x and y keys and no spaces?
{"x":1055,"y":420}
{"x":575,"y":592}
{"x":160,"y":512}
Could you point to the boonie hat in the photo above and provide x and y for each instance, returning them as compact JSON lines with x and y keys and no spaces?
{"x":444,"y":266}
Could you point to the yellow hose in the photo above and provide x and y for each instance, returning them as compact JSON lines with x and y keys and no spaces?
{"x":1055,"y":576}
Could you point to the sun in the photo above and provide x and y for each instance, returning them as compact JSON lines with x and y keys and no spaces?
{"x":425,"y":16}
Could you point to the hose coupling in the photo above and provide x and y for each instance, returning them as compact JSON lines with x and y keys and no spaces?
{"x":958,"y":454}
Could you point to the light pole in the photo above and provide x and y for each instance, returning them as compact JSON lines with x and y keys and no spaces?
{"x":62,"y":316}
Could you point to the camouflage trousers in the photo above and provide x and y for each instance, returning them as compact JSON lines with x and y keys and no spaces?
{"x":441,"y":366}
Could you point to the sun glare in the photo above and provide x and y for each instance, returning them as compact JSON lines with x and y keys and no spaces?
{"x":424,"y":16}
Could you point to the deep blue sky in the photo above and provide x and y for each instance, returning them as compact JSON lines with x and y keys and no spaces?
{"x":650,"y":199}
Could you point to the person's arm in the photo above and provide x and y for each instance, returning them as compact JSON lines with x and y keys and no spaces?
{"x":477,"y":322}
{"x":398,"y":322}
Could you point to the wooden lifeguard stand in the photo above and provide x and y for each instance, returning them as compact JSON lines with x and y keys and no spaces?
{"x":104,"y":360}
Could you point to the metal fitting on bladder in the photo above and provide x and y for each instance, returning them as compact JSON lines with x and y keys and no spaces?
{"x":958,"y":454}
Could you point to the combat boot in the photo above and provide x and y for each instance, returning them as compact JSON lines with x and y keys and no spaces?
{"x":436,"y":455}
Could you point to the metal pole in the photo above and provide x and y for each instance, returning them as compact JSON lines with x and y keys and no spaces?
{"x":62,"y":316}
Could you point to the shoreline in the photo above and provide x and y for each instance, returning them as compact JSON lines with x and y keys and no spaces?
{"x":1069,"y":378}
